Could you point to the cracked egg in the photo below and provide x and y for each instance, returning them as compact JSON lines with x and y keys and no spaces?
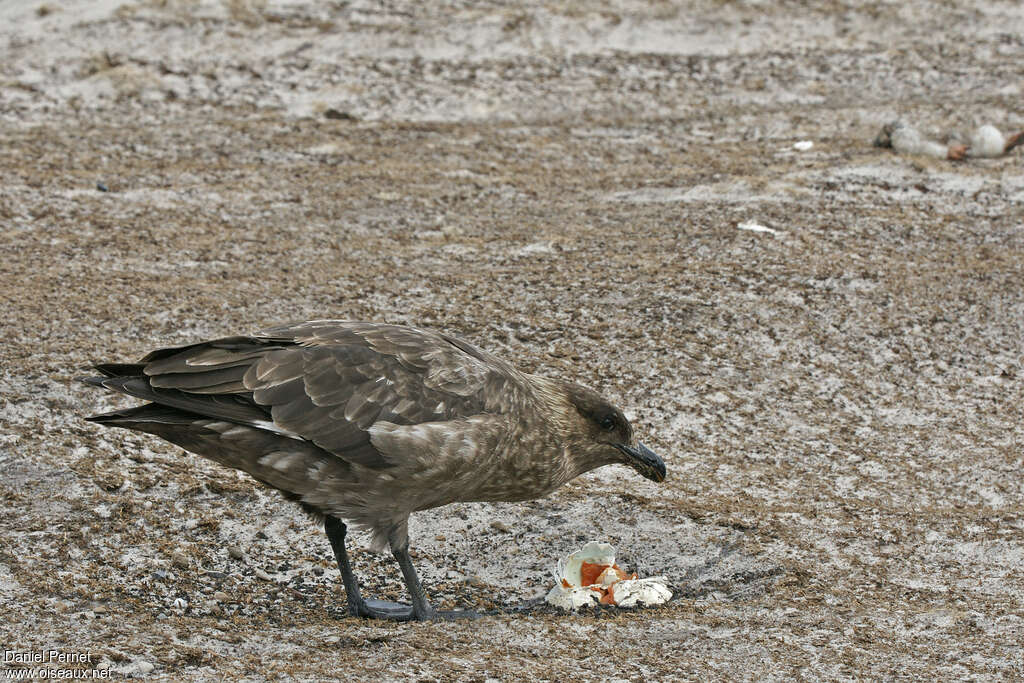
{"x":590,"y":576}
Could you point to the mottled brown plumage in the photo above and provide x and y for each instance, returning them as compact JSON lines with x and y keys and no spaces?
{"x":368,"y":422}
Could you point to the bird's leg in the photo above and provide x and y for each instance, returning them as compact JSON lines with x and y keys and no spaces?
{"x":335,"y":529}
{"x":421,"y":609}
{"x":382,"y":609}
{"x":357,"y":607}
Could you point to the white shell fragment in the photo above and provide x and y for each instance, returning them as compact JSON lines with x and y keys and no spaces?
{"x":803,"y":145}
{"x":572,"y":598}
{"x":649,"y":591}
{"x":610,"y":586}
{"x":753,"y":226}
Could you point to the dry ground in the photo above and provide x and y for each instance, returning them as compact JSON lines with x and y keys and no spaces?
{"x":839,"y":402}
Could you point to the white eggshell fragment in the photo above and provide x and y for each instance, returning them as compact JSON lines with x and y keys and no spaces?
{"x":650,"y":591}
{"x":571,"y":598}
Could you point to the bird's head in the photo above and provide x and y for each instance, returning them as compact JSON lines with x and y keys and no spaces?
{"x":602,"y":435}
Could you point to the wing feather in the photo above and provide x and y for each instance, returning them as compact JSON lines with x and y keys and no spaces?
{"x":217,"y":380}
{"x":330,"y":382}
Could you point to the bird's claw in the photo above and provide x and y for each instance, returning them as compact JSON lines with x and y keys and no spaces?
{"x":396,"y":611}
{"x":382,"y":609}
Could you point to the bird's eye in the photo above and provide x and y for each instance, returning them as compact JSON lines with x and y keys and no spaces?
{"x":608,"y":423}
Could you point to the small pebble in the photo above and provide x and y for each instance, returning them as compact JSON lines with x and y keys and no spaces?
{"x":234,"y":552}
{"x":179,"y":603}
{"x":499,"y":526}
{"x":179,"y":560}
{"x":102,"y":187}
{"x":260,"y":574}
{"x":221,"y":596}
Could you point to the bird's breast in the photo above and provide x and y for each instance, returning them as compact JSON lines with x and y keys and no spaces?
{"x":524,"y":470}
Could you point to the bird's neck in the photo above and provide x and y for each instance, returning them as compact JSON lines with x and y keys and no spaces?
{"x":557,"y":411}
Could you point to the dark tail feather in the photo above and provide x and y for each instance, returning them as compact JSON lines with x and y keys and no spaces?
{"x":130,"y":418}
{"x":121,"y":369}
{"x":113,"y":370}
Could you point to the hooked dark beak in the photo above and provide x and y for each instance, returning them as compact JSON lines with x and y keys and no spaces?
{"x":644,"y":460}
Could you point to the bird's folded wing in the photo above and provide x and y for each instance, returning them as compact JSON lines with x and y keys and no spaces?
{"x":330,"y":382}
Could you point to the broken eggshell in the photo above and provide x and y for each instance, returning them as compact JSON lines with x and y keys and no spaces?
{"x":590,"y":576}
{"x":635,"y":592}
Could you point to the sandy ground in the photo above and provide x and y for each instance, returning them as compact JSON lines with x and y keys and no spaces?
{"x":839,"y":400}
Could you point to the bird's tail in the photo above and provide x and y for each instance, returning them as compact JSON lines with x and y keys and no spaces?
{"x":130,"y":379}
{"x":141,"y":416}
